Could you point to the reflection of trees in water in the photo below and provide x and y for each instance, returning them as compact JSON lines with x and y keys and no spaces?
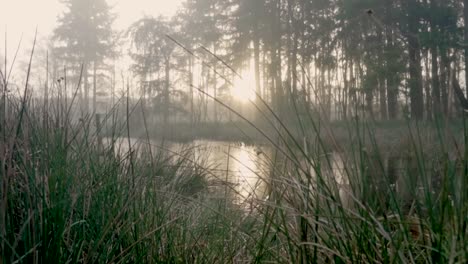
{"x":379,"y":183}
{"x":248,"y":175}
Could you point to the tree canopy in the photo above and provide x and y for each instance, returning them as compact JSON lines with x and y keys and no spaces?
{"x":84,"y":33}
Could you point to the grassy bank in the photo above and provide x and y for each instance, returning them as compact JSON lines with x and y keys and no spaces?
{"x":67,"y":198}
{"x":391,"y":136}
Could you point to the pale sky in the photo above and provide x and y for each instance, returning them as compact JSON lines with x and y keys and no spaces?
{"x":22,"y":16}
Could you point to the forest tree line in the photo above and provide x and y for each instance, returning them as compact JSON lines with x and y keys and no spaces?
{"x":385,"y":59}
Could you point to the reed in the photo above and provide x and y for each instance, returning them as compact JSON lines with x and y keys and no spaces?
{"x":67,"y":198}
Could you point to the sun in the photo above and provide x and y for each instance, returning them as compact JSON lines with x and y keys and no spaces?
{"x":243,"y":89}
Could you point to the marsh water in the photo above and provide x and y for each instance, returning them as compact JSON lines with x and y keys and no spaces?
{"x":245,"y":172}
{"x":235,"y":168}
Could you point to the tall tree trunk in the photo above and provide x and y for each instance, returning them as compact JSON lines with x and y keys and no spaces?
{"x":329,"y":94}
{"x":345,"y":88}
{"x":415,"y":71}
{"x":288,"y":50}
{"x":258,"y":88}
{"x":391,"y":78}
{"x":256,"y":43}
{"x":143,"y":91}
{"x":113,"y":83}
{"x":279,"y":100}
{"x":190,"y":71}
{"x":166,"y":91}
{"x":266,"y":90}
{"x":353,"y":98}
{"x":46,"y":93}
{"x":427,"y":86}
{"x":435,"y":82}
{"x":294,"y":65}
{"x":276,"y":58}
{"x":94,"y":88}
{"x":293,"y":46}
{"x":465,"y":17}
{"x":381,"y":80}
{"x":86,"y":89}
{"x":206,"y":81}
{"x":215,"y":90}
{"x":444,"y":81}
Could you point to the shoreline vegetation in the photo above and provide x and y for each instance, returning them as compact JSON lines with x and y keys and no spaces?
{"x":393,"y":192}
{"x":389,"y":136}
{"x":67,"y":199}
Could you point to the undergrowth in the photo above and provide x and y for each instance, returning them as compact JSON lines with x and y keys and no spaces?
{"x":68,"y":195}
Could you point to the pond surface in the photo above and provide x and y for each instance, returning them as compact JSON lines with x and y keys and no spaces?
{"x":245,"y":168}
{"x":248,"y":169}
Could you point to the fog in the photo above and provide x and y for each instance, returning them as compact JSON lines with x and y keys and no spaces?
{"x":233,"y":131}
{"x":242,"y":52}
{"x":21,"y":17}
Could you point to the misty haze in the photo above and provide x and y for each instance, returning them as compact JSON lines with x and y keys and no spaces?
{"x":233,"y":131}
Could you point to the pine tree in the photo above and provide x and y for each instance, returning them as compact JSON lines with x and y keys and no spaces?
{"x":84,"y":37}
{"x":155,"y":60}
